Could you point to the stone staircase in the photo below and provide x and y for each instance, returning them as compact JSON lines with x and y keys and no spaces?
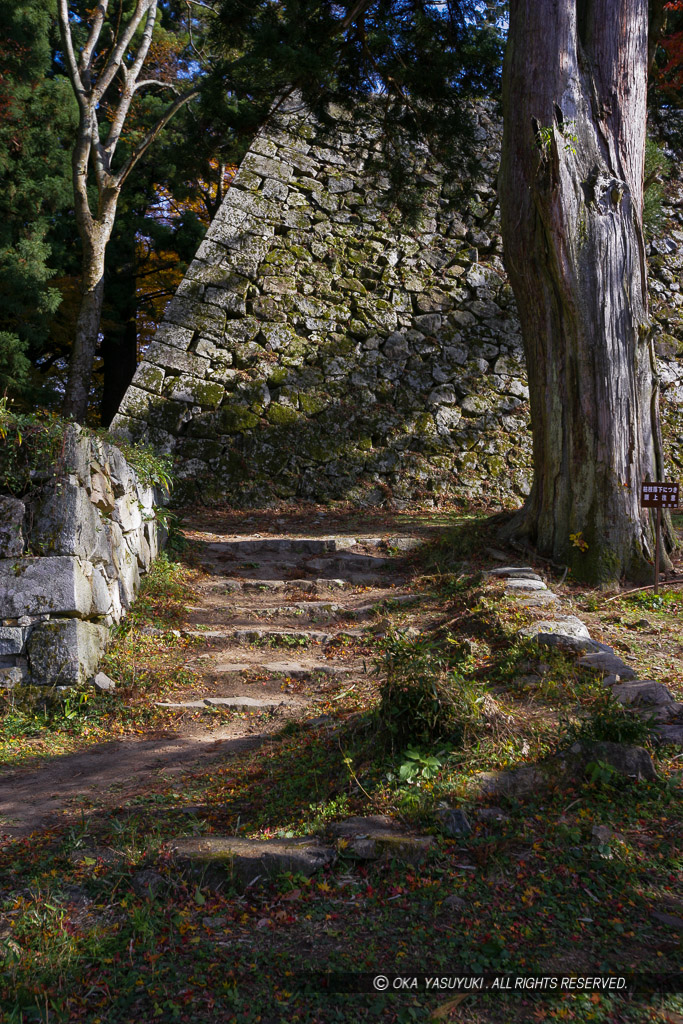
{"x":280,"y":619}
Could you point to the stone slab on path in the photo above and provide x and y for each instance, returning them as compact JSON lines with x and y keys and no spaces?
{"x":525,"y":586}
{"x":298,"y":670}
{"x":283,"y":635}
{"x":275,"y":586}
{"x":515,"y":572}
{"x":608,"y":664}
{"x":539,"y":599}
{"x":300,"y":610}
{"x":568,"y":625}
{"x":281,"y":545}
{"x":573,"y":644}
{"x":233,"y":702}
{"x":514,"y":783}
{"x":274,"y":635}
{"x":672,"y":732}
{"x":220,"y":861}
{"x":294,"y":669}
{"x":350,"y":563}
{"x":628,"y":760}
{"x":378,"y":837}
{"x":642,"y":691}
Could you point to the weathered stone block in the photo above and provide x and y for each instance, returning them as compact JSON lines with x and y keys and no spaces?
{"x":625,"y":759}
{"x":12,"y":512}
{"x":55,"y":585}
{"x":643,"y":692}
{"x":12,"y":639}
{"x":67,"y":522}
{"x":101,"y":600}
{"x":221,"y":861}
{"x":127,"y":513}
{"x":65,"y":652}
{"x":129,"y":577}
{"x":182,"y":362}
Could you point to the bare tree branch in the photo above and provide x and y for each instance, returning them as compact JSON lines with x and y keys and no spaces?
{"x":155,"y":81}
{"x":72,"y":63}
{"x":151,"y":135}
{"x":129,"y":88}
{"x":115,"y":58}
{"x":85,"y":63}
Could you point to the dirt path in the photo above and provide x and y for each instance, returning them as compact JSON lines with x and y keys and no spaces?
{"x":273,"y":613}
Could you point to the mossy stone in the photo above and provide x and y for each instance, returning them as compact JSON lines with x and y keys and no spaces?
{"x":277,"y":375}
{"x":237,"y":418}
{"x":311,"y":404}
{"x":282,"y":415}
{"x":209,"y":395}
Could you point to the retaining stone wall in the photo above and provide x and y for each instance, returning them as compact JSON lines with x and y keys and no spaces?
{"x":71,"y":556}
{"x":321,"y":347}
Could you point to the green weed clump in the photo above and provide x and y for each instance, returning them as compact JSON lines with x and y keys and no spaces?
{"x":655,"y":602}
{"x":152,"y":467}
{"x":606,"y":721}
{"x":32,"y":450}
{"x":31,"y":446}
{"x":422,"y":698}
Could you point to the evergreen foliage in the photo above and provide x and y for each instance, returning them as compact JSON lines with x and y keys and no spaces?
{"x":423,"y":61}
{"x":37,"y":117}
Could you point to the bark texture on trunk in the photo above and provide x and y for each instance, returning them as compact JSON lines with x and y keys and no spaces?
{"x":93,"y":74}
{"x":571,"y":188}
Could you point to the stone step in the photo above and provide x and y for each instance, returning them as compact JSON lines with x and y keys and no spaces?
{"x":280,"y":545}
{"x":254,"y":544}
{"x":293,"y":669}
{"x":524,"y":585}
{"x":319,"y":611}
{"x":312,"y":610}
{"x":275,"y":586}
{"x":231,"y":702}
{"x":217,"y":861}
{"x":512,"y":572}
{"x":275,"y":635}
{"x":540,"y":599}
{"x":568,"y":625}
{"x":350,"y":563}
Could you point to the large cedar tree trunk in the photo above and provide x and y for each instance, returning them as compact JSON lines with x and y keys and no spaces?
{"x":571,"y":189}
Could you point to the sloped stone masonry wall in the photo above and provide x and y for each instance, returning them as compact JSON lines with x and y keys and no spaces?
{"x":321,"y":347}
{"x":71,"y":555}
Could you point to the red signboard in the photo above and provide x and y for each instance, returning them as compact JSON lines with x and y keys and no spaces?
{"x":659,"y":495}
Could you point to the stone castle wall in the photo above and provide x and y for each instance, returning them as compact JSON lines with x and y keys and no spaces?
{"x":71,"y":556}
{"x":322,"y":347}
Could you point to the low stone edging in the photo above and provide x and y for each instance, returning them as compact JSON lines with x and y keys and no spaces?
{"x":569,"y":633}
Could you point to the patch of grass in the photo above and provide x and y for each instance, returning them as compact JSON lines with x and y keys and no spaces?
{"x":664,"y":601}
{"x":163,"y":597}
{"x":458,"y":543}
{"x":604,"y":719}
{"x":422,"y":698}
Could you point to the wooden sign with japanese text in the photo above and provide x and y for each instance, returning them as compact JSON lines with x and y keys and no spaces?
{"x":659,"y":495}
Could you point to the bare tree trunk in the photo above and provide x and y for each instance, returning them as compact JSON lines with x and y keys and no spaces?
{"x":120,"y":72}
{"x":571,"y":189}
